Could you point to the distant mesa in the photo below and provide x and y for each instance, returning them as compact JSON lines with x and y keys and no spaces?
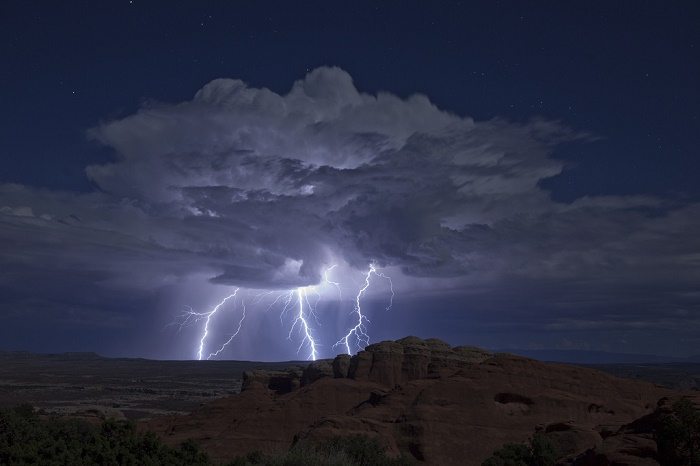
{"x":439,"y":404}
{"x":597,"y":357}
{"x":80,"y":355}
{"x":72,"y":356}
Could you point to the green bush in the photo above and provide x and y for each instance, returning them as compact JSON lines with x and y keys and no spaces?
{"x":543,"y":451}
{"x":678,"y":435}
{"x":338,"y":451}
{"x":26,"y":439}
{"x":539,"y":452}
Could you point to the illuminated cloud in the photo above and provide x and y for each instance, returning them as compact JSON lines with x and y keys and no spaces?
{"x":261,"y":190}
{"x":264,"y":188}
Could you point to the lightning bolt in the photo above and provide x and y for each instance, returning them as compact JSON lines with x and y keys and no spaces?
{"x":304,"y":325}
{"x":330,"y":282}
{"x":303,"y":310}
{"x":288,"y":298}
{"x":191,"y":317}
{"x":391,"y":288}
{"x":240,"y":324}
{"x":359,"y":331}
{"x":208,"y":316}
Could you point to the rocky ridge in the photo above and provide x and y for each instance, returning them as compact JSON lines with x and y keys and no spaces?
{"x":388,"y":363}
{"x":440,"y":404}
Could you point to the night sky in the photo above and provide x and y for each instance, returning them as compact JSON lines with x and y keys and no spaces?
{"x":525,"y":173}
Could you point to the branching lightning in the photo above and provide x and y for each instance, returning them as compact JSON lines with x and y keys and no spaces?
{"x":330,"y":282}
{"x":303,"y":309}
{"x":208,"y":316}
{"x":288,"y":298}
{"x":391,"y":288}
{"x":240,"y":324}
{"x":359,"y":331}
{"x":304,"y":325}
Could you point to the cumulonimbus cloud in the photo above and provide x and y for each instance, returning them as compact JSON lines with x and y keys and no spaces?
{"x":262,"y":190}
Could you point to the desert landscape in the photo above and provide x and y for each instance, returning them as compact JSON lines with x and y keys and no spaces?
{"x":422,"y":399}
{"x":88,"y":385}
{"x":349,"y":233}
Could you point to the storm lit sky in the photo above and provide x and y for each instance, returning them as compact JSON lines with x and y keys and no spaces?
{"x":526,"y":174}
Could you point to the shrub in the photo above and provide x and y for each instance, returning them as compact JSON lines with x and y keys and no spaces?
{"x":539,"y":452}
{"x":361,"y":450}
{"x":26,"y":439}
{"x":678,"y":435}
{"x":339,"y":451}
{"x":543,"y":451}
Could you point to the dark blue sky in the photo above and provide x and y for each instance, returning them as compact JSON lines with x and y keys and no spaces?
{"x":624,"y":73}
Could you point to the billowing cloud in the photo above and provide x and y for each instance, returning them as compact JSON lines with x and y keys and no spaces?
{"x":263,"y":190}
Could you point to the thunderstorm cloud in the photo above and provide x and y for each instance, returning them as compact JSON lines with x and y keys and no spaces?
{"x":248,"y":187}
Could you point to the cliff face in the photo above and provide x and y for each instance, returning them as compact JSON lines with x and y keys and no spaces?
{"x":441,"y":404}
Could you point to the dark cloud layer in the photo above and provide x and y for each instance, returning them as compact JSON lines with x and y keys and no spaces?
{"x":256,"y":189}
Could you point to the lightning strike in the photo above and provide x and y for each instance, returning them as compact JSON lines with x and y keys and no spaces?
{"x":288,"y":298}
{"x":359,"y":331}
{"x":301,"y":320}
{"x":391,"y":288}
{"x":330,"y":282}
{"x":240,"y":324}
{"x":208,"y":316}
{"x":303,"y":309}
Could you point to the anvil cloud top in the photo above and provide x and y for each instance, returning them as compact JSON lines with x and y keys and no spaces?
{"x":243,"y":186}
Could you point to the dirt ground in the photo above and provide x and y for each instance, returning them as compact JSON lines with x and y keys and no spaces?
{"x":85,"y":384}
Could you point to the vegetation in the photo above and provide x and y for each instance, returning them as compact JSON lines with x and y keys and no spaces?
{"x":26,"y":438}
{"x":677,"y":438}
{"x":678,"y":435}
{"x":339,"y":451}
{"x":539,"y":452}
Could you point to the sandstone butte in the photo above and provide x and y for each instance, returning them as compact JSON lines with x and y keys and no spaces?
{"x":442,"y":405}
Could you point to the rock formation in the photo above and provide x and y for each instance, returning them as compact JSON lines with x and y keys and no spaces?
{"x":388,"y":363}
{"x":442,"y":405}
{"x":634,"y":443}
{"x":279,"y":382}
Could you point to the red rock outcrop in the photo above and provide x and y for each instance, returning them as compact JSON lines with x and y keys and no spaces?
{"x":633,"y":444}
{"x":278,"y":381}
{"x":442,"y":405}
